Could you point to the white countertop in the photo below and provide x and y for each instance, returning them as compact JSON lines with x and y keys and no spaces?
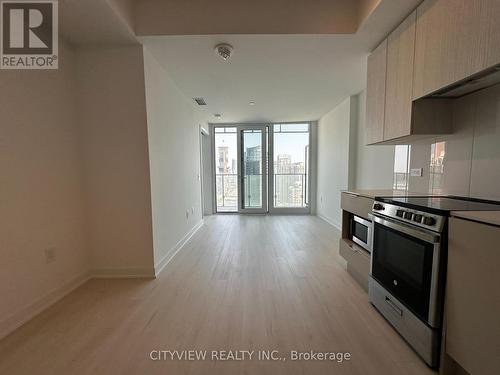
{"x":488,"y":217}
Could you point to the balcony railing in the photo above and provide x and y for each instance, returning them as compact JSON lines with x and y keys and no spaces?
{"x":252,"y":189}
{"x":290,"y":190}
{"x":227,"y":192}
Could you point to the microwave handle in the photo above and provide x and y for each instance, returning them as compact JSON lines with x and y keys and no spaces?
{"x":420,"y":234}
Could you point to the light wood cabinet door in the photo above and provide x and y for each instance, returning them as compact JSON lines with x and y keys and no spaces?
{"x":375,"y":94}
{"x":398,"y":101}
{"x":358,"y":261}
{"x":473,"y":296}
{"x":454,"y":40}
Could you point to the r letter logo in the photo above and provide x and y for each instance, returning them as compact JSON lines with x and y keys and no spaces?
{"x":29,"y":34}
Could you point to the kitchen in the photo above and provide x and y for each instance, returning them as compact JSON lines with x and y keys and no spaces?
{"x":426,"y":250}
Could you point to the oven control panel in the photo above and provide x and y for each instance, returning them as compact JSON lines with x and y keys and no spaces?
{"x":415,"y":217}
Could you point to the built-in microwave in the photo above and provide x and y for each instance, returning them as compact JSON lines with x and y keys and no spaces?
{"x":361,"y":232}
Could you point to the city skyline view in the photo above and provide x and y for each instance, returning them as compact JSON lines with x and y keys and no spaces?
{"x":289,"y":178}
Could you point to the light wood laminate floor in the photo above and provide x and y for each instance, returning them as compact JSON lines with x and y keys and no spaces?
{"x":241,"y":283}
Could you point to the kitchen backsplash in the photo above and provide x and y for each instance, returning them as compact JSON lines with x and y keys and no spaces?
{"x":467,"y":162}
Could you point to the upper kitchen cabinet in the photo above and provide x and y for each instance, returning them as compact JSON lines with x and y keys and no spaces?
{"x":391,"y":115}
{"x":375,"y":94}
{"x":454,"y":40}
{"x":398,"y":100}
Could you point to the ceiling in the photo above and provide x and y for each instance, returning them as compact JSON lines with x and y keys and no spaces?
{"x":202,"y":17}
{"x":289,"y":77}
{"x":94,"y":22}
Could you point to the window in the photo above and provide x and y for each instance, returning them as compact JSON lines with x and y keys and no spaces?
{"x":401,"y":167}
{"x":226,"y":169}
{"x":291,"y":165}
{"x":438,"y":153}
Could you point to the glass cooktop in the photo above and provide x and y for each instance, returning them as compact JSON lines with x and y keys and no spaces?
{"x":441,"y":204}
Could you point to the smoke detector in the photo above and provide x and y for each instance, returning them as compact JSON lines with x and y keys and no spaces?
{"x":224,"y":50}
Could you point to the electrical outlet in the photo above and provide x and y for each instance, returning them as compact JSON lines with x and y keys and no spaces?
{"x":50,"y":255}
{"x":416,"y":172}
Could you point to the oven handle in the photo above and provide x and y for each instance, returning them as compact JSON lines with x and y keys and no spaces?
{"x":420,"y":234}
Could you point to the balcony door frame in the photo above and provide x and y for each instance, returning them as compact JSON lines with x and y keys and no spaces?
{"x":267,"y":184}
{"x":241,"y":178}
{"x":287,"y":210}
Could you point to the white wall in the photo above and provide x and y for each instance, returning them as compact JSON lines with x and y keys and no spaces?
{"x":373,"y":165}
{"x":333,"y":159}
{"x":114,"y":139}
{"x":74,"y":156}
{"x":174,"y":152}
{"x":41,"y":203}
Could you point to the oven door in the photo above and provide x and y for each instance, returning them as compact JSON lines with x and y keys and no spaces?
{"x":406,"y":261}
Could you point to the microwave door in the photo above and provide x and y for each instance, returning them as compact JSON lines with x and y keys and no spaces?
{"x":361,"y":232}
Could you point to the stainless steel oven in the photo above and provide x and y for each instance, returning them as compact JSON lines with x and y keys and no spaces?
{"x":406,"y":262}
{"x":407,"y":275}
{"x":361,"y":232}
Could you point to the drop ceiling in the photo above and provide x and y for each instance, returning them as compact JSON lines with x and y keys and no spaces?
{"x":289,"y":77}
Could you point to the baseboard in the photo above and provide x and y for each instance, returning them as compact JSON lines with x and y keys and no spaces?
{"x":28,"y":312}
{"x":330,"y":221}
{"x":173,"y":252}
{"x":123,"y":273}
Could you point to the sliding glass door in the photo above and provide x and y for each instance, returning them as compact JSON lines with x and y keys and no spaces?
{"x":253,"y":178}
{"x":262,"y":168}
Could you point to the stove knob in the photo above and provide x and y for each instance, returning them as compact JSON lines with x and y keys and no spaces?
{"x":400,"y":213}
{"x":378,"y":207}
{"x":429,"y":220}
{"x":417,"y":218}
{"x":408,"y":215}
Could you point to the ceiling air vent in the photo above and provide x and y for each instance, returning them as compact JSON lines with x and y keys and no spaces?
{"x":200,"y":101}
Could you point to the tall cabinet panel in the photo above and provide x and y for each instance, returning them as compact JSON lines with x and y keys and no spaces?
{"x":398,"y":102}
{"x":375,"y":94}
{"x":472,"y":296}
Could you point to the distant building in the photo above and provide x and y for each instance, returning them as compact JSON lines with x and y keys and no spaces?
{"x":222,"y":159}
{"x":289,"y":182}
{"x":253,"y":160}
